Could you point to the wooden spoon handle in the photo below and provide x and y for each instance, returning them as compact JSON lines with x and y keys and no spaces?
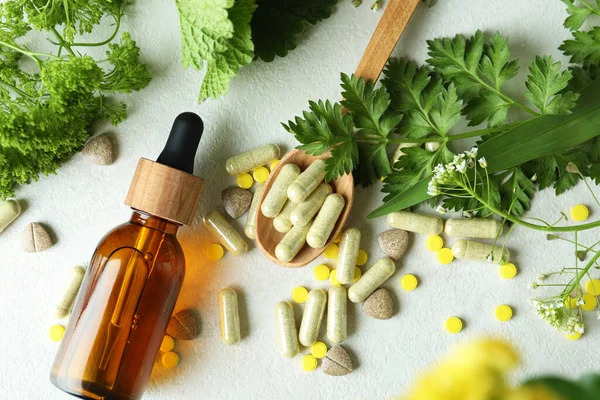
{"x":395,"y":17}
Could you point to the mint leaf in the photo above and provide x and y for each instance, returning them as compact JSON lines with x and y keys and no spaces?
{"x":545,"y":85}
{"x":584,"y":48}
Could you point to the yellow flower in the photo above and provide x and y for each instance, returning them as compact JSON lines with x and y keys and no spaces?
{"x":531,"y":393}
{"x":491,"y":353}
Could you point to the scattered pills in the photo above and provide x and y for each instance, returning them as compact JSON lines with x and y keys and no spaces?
{"x":480,"y":228}
{"x":571,"y":302}
{"x":375,"y":276}
{"x":325,"y":221}
{"x":504,"y":313}
{"x":299,"y":294}
{"x":36,"y":238}
{"x":318,"y":350}
{"x":225,"y":233}
{"x":251,"y":218}
{"x":362,"y":258}
{"x":321,"y":272}
{"x":394,"y":242}
{"x":574,"y":335}
{"x":277,"y":195}
{"x":274,"y":164}
{"x":337,"y":362}
{"x":244,"y":181}
{"x":589,"y":302}
{"x":477,"y":251}
{"x":282,"y":222}
{"x":593,"y":287}
{"x":252,"y":159}
{"x":333,"y":278}
{"x":9,"y":211}
{"x":309,"y":363}
{"x":56,"y":333}
{"x":292,"y":243}
{"x":215,"y":252}
{"x":348,"y":255}
{"x":260,"y":174}
{"x":337,"y":315}
{"x":286,"y":329}
{"x":236,"y":201}
{"x":69,"y":292}
{"x":306,"y":210}
{"x":580,"y":212}
{"x":229,"y":316}
{"x":434,"y":243}
{"x":508,"y":271}
{"x":307,"y":182}
{"x":445,"y":256}
{"x":312,"y":317}
{"x":169,"y":360}
{"x":332,"y":251}
{"x":379,"y":305}
{"x":357,"y":274}
{"x":414,"y":222}
{"x":454,"y":325}
{"x":409,"y":282}
{"x":167,"y":344}
{"x":183,"y":325}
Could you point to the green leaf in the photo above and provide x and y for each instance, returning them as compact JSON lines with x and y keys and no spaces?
{"x":516,"y":192}
{"x":563,"y":388}
{"x":545,"y":85}
{"x":495,"y":64}
{"x":584,"y":47}
{"x":579,"y":11}
{"x":487,"y":107}
{"x":591,"y":384}
{"x":127,"y":74}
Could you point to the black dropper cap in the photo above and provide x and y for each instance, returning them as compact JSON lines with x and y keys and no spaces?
{"x":183,"y":141}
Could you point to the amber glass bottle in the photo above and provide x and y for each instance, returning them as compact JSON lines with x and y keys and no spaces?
{"x":133,"y":280}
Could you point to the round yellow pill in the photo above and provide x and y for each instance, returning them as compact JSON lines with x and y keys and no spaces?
{"x":434,"y":243}
{"x":574,"y":336}
{"x":333,"y":278}
{"x":362,"y":258}
{"x":409,"y":282}
{"x":244,"y":181}
{"x":321,"y":272}
{"x":331,"y":251}
{"x":571,"y":302}
{"x":299,"y":294}
{"x":273,"y":164}
{"x":260,"y":174}
{"x":579,"y":212}
{"x":167,"y":344}
{"x":318,"y":350}
{"x":309,"y":362}
{"x":56,"y":333}
{"x":454,"y":325}
{"x":215,"y":252}
{"x":508,"y":271}
{"x":170,"y":360}
{"x":589,"y":302}
{"x":445,"y":256}
{"x":357,"y":274}
{"x":593,"y":287}
{"x":504,"y":313}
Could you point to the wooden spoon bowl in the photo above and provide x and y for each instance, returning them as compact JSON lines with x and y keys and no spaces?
{"x":268,"y":237}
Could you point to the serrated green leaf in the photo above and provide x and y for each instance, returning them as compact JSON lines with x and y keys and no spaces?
{"x":584,"y":47}
{"x":495,"y":65}
{"x":545,"y":85}
{"x":487,"y":107}
{"x":516,"y":192}
{"x":579,"y":11}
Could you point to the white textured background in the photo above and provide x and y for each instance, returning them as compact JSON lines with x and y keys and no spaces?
{"x":84,"y":201}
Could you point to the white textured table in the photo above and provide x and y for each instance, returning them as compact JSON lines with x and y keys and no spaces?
{"x":84,"y":201}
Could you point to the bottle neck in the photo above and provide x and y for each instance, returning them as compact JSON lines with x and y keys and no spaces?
{"x":150,"y":221}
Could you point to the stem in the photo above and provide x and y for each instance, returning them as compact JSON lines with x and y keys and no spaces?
{"x":110,"y":38}
{"x":582,"y":273}
{"x":31,"y":54}
{"x":592,"y":9}
{"x":62,"y":41}
{"x":16,"y":90}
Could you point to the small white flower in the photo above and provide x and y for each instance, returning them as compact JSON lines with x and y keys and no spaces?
{"x":490,"y":257}
{"x":432,"y":189}
{"x":441,"y":209}
{"x":472,"y":153}
{"x":482,"y":162}
{"x":533,"y":285}
{"x":462,"y":167}
{"x":579,"y":327}
{"x":580,"y":302}
{"x":467,"y":214}
{"x":541,"y":277}
{"x":470,"y":164}
{"x":534,"y":178}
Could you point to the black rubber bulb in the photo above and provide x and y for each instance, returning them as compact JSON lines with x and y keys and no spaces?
{"x":181,"y":146}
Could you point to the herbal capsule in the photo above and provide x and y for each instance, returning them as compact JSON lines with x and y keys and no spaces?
{"x":282,"y":222}
{"x":348,"y":255}
{"x":306,"y":182}
{"x":230,"y":316}
{"x":286,"y":329}
{"x":371,"y":280}
{"x":337,"y":314}
{"x":250,"y":228}
{"x":69,"y":293}
{"x":9,"y":211}
{"x":225,"y":233}
{"x":277,"y":196}
{"x":482,"y":228}
{"x":291,"y":243}
{"x":312,"y":316}
{"x":305,"y":211}
{"x":414,"y":222}
{"x":325,"y":221}
{"x":251,"y":159}
{"x":399,"y":153}
{"x":477,"y":251}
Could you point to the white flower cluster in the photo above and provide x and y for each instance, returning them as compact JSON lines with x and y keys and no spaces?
{"x":550,"y":311}
{"x":446,"y":174}
{"x":574,"y":324}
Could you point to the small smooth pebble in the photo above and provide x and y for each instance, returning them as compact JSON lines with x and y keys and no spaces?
{"x":379,"y":304}
{"x":394,"y":242}
{"x":337,"y":362}
{"x":236,"y":201}
{"x":99,"y":150}
{"x":9,"y":211}
{"x":35,"y":238}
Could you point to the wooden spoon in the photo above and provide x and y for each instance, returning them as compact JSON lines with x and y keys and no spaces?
{"x":396,"y":15}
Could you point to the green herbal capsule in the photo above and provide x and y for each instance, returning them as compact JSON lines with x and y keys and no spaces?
{"x":399,"y":153}
{"x":414,"y":222}
{"x":282,"y":222}
{"x":250,"y":228}
{"x":230,"y":316}
{"x":477,"y":251}
{"x":291,"y":243}
{"x":481,"y":228}
{"x":305,"y":211}
{"x":277,"y":196}
{"x":9,"y":211}
{"x":325,"y":221}
{"x":376,"y":276}
{"x":286,"y":329}
{"x":337,"y":314}
{"x":347,"y":256}
{"x":225,"y":233}
{"x":252,"y":159}
{"x":312,"y":316}
{"x":69,"y":293}
{"x":306,"y":182}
